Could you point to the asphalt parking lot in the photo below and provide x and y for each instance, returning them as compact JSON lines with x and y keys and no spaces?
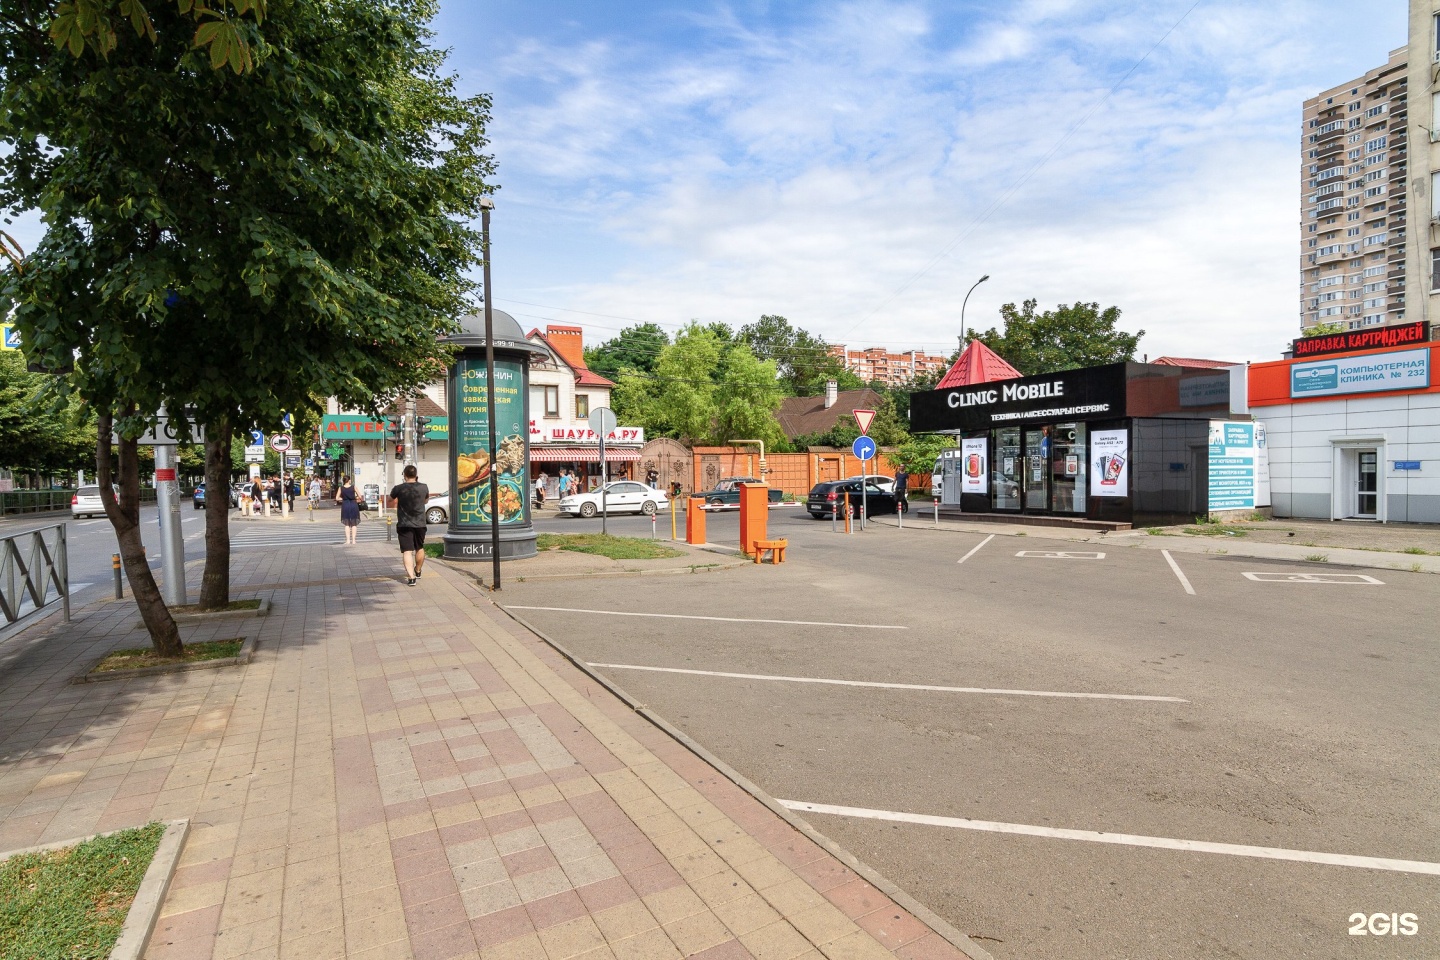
{"x":1066,"y":750}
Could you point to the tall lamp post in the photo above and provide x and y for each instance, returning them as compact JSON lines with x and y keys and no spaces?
{"x":486,"y":205}
{"x":962,"y":309}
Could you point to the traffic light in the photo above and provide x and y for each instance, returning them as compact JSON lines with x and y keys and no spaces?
{"x":399,"y":451}
{"x":395,"y":427}
{"x":422,"y":430}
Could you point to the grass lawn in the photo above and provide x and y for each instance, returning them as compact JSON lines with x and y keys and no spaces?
{"x":147,"y":657}
{"x":72,"y":903}
{"x":616,"y":548}
{"x":434,"y":549}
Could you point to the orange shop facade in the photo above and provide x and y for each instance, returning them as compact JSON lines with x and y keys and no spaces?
{"x":1353,"y":434}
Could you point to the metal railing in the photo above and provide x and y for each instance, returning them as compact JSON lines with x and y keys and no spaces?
{"x":48,"y":501}
{"x":34,"y":576}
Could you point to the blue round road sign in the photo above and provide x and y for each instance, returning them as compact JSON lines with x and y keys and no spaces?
{"x":863,"y":448}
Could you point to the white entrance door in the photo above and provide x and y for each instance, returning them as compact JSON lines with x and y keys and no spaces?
{"x":1358,"y":483}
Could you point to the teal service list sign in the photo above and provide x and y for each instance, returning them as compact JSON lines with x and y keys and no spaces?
{"x":1232,"y":465}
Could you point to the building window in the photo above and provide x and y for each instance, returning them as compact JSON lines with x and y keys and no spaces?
{"x":552,"y":401}
{"x":1435,"y":269}
{"x":582,"y":406}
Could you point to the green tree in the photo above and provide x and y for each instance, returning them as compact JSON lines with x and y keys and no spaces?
{"x":636,"y":348}
{"x":918,"y":454}
{"x":802,"y":360}
{"x":1078,"y":335}
{"x":39,"y":434}
{"x":239,"y":244}
{"x":1323,"y":330}
{"x":747,"y":398}
{"x":683,"y":391}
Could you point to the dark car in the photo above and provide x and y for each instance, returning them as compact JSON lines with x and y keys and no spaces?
{"x":200,"y":497}
{"x":828,"y":499}
{"x":727,"y":492}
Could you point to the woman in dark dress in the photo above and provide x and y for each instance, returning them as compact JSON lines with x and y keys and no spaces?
{"x":349,"y":502}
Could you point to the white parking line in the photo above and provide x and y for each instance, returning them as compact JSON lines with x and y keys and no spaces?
{"x":1124,"y":839}
{"x":894,"y":686}
{"x":1060,"y":555}
{"x":1270,"y":576}
{"x":1184,"y":582}
{"x":681,"y":616}
{"x":976,"y":549}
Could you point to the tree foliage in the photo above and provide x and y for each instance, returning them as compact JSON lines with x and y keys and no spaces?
{"x":1077,"y":335}
{"x":239,"y":244}
{"x":226,"y":28}
{"x":802,"y":360}
{"x":635,"y":348}
{"x":39,"y":435}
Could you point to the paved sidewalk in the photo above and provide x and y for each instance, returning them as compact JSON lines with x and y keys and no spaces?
{"x":405,"y":772}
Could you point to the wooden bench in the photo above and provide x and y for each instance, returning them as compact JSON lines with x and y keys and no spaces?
{"x":776,"y":548}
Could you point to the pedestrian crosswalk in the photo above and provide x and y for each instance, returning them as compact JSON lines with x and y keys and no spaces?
{"x":297,"y":532}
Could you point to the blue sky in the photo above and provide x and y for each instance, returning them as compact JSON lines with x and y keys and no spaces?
{"x":855,"y":166}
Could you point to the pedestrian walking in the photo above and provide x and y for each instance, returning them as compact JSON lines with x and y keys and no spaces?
{"x":902,"y":482}
{"x":652,"y":479}
{"x":349,"y":509}
{"x":291,"y":490}
{"x":314,"y":494}
{"x":564,"y":484}
{"x":408,"y":499}
{"x":543,"y":482}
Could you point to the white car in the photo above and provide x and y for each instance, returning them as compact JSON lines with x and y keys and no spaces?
{"x":884,"y":483}
{"x":622,"y":496}
{"x":85,"y":502}
{"x":437,"y":508}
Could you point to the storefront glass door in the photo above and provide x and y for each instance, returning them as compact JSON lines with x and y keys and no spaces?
{"x":1368,"y":488}
{"x":1034,"y":477}
{"x":1006,"y":469}
{"x":1067,"y":468}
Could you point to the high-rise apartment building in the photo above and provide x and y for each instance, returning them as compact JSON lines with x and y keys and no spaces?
{"x":892,"y":369}
{"x":1353,"y":175}
{"x":1422,"y":274}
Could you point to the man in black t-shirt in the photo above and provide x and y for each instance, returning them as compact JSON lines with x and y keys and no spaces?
{"x":408,"y":500}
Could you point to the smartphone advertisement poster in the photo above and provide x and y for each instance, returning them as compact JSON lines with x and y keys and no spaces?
{"x":1110,"y":459}
{"x":974,"y":465}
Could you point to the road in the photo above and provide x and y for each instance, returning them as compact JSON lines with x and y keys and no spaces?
{"x":1073,"y":707}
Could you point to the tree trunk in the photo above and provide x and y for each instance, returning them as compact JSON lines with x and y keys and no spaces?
{"x":125,"y":518}
{"x":215,"y":583}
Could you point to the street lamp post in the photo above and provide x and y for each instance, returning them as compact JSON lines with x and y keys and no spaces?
{"x":962,"y":309}
{"x":486,"y":205}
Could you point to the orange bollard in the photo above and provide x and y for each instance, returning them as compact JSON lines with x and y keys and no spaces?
{"x":754,"y":515}
{"x":848,"y":512}
{"x":695,"y":520}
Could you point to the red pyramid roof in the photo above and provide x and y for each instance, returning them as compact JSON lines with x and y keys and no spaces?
{"x":977,"y":364}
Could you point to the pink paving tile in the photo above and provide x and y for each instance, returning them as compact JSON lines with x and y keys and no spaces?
{"x":435,"y":915}
{"x":797,"y":852}
{"x":893,"y":927}
{"x":551,"y":812}
{"x":653,"y":879}
{"x":433,"y":886}
{"x":619,"y":836}
{"x":528,"y":861}
{"x":407,"y":808}
{"x":931,"y":947}
{"x":485,"y":791}
{"x":637,"y":856}
{"x":463,"y":832}
{"x":605,"y":894}
{"x":729,"y":950}
{"x":452,"y":941}
{"x":857,"y":898}
{"x":529,"y":781}
{"x":426,"y":842}
{"x":558,"y":909}
{"x":198,"y":873}
{"x":501,"y":926}
{"x":825,"y":874}
{"x":450,"y":798}
{"x":420,"y":865}
{"x":190,"y":925}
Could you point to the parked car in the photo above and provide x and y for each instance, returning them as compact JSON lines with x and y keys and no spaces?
{"x":370,"y":493}
{"x":622,"y":496}
{"x":828,"y":499}
{"x":437,"y":508}
{"x":85,"y":502}
{"x":884,"y":483}
{"x":199,"y":497}
{"x":727,"y":492}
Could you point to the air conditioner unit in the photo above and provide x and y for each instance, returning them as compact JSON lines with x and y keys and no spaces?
{"x":1437,"y":56}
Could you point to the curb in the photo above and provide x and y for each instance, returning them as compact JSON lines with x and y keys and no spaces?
{"x":192,"y":618}
{"x":526,"y":578}
{"x":870,"y":874}
{"x":246,"y":654}
{"x":145,"y":908}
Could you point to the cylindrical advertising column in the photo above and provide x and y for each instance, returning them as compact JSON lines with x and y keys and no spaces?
{"x":476,"y":479}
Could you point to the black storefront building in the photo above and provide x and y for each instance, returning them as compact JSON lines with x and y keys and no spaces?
{"x":1120,"y":443}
